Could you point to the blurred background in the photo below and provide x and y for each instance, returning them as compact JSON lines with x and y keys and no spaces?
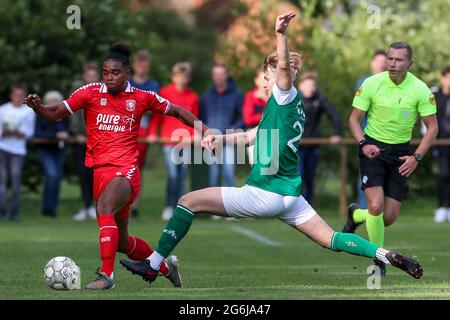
{"x":53,"y":45}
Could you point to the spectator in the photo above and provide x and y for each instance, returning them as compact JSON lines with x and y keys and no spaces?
{"x":442,"y":153}
{"x":77,"y":128}
{"x":51,"y":155}
{"x":316,"y":105}
{"x":221,"y":109}
{"x":141,"y":80}
{"x":179,"y":93}
{"x":254,"y":103}
{"x":16,"y":126}
{"x":377,"y":64}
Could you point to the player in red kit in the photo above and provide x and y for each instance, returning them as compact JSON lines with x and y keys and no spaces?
{"x":113,"y":110}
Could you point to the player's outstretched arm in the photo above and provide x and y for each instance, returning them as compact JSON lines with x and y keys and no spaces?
{"x":284,"y":71}
{"x":186,"y":117}
{"x":52,"y":112}
{"x":248,"y":138}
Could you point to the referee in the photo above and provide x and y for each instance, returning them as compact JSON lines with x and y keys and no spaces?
{"x":393,"y":100}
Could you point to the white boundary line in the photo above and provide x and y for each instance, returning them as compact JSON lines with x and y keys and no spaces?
{"x":253,"y":235}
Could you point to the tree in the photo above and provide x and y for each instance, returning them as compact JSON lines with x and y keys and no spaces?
{"x":38,"y":48}
{"x":337,"y":39}
{"x":341,"y":48}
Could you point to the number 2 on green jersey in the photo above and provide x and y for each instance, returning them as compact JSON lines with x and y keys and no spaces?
{"x":297,"y":138}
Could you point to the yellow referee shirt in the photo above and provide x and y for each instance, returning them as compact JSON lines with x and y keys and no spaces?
{"x":392,"y":109}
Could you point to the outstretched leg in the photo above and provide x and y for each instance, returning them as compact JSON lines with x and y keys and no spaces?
{"x":138,"y":250}
{"x":319,"y":231}
{"x":207,"y":201}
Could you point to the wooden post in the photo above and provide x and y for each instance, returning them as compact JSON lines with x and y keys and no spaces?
{"x":344,"y":178}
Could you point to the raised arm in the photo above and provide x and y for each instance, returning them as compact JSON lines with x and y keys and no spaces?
{"x":284,"y":71}
{"x":52,"y":112}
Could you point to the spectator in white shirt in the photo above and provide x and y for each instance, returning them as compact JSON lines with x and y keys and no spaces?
{"x":16,"y":126}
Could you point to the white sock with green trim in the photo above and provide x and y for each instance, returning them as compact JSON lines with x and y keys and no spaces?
{"x":381,"y":255}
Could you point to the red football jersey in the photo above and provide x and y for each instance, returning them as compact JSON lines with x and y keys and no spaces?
{"x":112,"y":121}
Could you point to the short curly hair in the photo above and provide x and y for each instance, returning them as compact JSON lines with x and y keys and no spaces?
{"x":272,"y":61}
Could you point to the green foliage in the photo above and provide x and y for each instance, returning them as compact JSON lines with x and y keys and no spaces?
{"x":38,"y":49}
{"x":337,"y":39}
{"x":340,"y":49}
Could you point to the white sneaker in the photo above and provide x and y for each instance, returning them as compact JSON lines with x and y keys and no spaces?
{"x":216,"y":218}
{"x":81,"y":215}
{"x":92,"y":213}
{"x":167,"y":213}
{"x":440,"y":215}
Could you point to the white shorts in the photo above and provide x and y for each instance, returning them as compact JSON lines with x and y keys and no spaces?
{"x":252,"y":202}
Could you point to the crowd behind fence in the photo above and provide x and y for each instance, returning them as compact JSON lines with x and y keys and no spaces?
{"x":343,"y":145}
{"x":221,"y":106}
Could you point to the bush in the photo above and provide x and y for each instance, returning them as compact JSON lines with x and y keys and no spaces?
{"x":336,"y":40}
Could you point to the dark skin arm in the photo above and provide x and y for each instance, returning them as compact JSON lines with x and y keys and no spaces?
{"x":53,"y":112}
{"x":186,"y":117}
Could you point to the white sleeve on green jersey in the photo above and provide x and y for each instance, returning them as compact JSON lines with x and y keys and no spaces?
{"x":284,"y":97}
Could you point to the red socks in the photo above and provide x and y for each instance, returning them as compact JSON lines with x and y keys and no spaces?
{"x":109,"y":239}
{"x":138,"y":249}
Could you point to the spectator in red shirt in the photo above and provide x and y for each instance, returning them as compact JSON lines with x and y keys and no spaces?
{"x":170,"y":129}
{"x":254,"y":102}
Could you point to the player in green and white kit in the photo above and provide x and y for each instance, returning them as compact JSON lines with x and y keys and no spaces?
{"x":273,"y":188}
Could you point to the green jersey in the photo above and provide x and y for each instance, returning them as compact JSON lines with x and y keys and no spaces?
{"x":392,"y":110}
{"x":277,"y":141}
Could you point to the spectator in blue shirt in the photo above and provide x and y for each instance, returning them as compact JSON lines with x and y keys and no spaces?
{"x":51,"y":155}
{"x":91,"y":74}
{"x":221,"y":109}
{"x":141,"y":80}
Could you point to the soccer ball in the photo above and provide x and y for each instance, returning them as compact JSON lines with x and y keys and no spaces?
{"x":61,"y":273}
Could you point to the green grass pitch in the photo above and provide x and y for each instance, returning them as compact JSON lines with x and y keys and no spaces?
{"x":218,"y":260}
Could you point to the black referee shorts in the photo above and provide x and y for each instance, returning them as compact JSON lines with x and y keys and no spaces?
{"x":382,"y":171}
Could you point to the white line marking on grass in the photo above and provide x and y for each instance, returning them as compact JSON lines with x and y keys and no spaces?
{"x":255,"y":236}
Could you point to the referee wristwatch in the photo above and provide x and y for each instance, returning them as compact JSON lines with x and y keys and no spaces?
{"x":417,"y":156}
{"x":362,"y":143}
